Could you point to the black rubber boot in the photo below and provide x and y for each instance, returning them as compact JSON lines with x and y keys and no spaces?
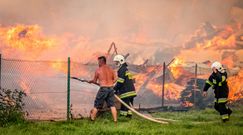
{"x":230,"y":112}
{"x":225,"y":120}
{"x":129,"y":116}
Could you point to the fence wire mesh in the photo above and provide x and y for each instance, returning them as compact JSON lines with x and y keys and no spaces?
{"x":82,"y":94}
{"x":182,"y":82}
{"x":45,"y":83}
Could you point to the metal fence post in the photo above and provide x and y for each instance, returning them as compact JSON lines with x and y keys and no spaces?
{"x":0,"y":71}
{"x":163,"y":85}
{"x":68,"y":89}
{"x":195,"y":85}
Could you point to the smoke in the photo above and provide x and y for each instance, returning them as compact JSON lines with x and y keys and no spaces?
{"x":154,"y":24}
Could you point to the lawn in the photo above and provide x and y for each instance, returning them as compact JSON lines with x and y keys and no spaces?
{"x":196,"y":122}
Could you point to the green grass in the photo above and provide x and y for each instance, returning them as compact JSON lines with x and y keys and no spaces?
{"x":206,"y":122}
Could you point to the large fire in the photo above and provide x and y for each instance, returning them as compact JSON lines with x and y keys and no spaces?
{"x":148,"y":80}
{"x":24,"y":40}
{"x":34,"y":54}
{"x":224,"y":39}
{"x":176,"y":67}
{"x":222,"y":45}
{"x":29,"y":42}
{"x":236,"y":86}
{"x":172,"y":90}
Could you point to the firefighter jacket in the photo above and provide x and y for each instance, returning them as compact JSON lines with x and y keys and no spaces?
{"x":125,"y":83}
{"x":219,"y":83}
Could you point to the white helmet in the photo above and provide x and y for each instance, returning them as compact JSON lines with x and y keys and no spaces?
{"x":218,"y":66}
{"x":120,"y":59}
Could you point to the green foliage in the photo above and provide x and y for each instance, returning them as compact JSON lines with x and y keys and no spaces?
{"x":11,"y":106}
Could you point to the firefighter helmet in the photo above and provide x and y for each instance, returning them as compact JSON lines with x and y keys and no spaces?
{"x":218,"y":66}
{"x":119,"y":59}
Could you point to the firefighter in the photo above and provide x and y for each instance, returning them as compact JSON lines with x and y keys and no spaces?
{"x":218,"y":81}
{"x":124,"y":85}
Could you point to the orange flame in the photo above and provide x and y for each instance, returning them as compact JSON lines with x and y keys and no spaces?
{"x":187,"y":104}
{"x":176,"y":68}
{"x":28,"y":41}
{"x":172,"y":90}
{"x":224,"y":38}
{"x":236,"y":86}
{"x":78,"y":70}
{"x":229,"y":61}
{"x":218,"y":43}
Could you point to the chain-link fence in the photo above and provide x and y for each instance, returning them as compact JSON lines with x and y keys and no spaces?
{"x":191,"y":95}
{"x":45,"y":83}
{"x":82,"y":94}
{"x":42,"y":81}
{"x":178,"y":85}
{"x":183,"y":84}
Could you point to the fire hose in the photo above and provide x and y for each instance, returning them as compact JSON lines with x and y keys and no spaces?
{"x":158,"y":120}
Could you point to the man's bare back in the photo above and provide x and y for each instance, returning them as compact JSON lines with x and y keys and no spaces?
{"x":105,"y":76}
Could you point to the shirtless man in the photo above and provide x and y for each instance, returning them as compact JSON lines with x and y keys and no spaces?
{"x":105,"y":77}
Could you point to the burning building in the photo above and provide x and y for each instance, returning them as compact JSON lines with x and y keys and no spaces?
{"x":34,"y":49}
